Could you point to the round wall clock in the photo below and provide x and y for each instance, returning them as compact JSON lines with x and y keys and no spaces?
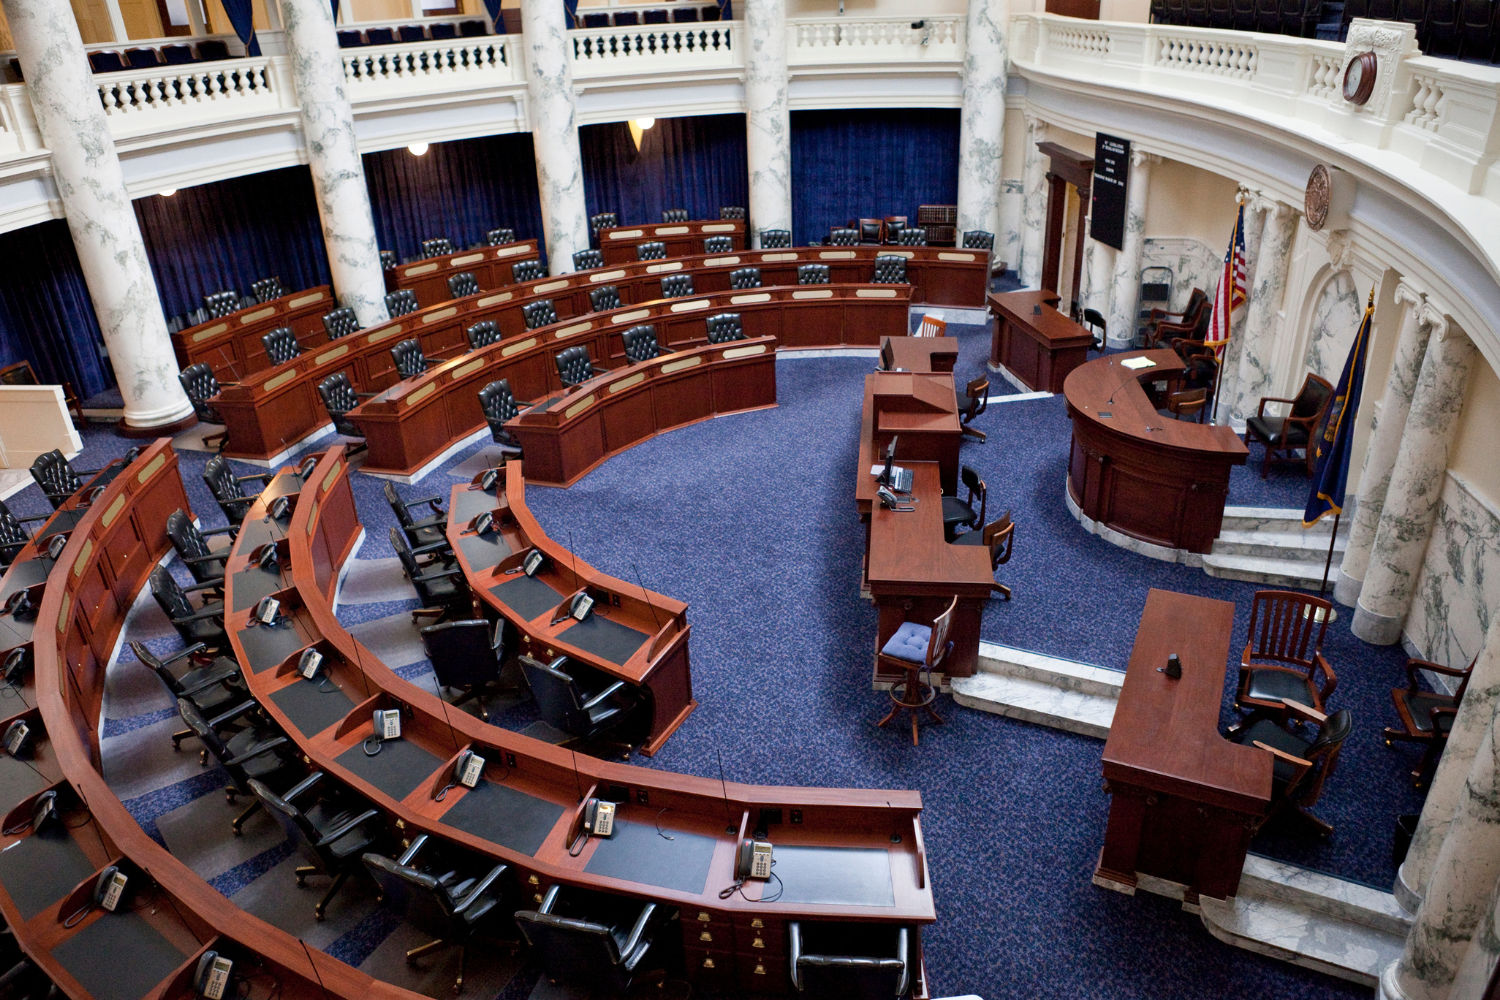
{"x":1359,"y":78}
{"x":1316,"y":200}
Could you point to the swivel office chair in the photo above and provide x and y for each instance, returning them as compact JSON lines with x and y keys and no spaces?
{"x":539,"y":313}
{"x":267,"y":289}
{"x":978,"y":239}
{"x":848,"y":961}
{"x":961,"y":513}
{"x":482,"y":334}
{"x":440,"y":246}
{"x":654,"y":250}
{"x":204,"y":562}
{"x":732,"y":212}
{"x":57,"y":478}
{"x":197,"y":380}
{"x":587,"y":260}
{"x":812,"y":274}
{"x":388,"y":261}
{"x":775,"y":239}
{"x":468,"y":656}
{"x":973,"y":401}
{"x":211,"y":687}
{"x":889,"y":270}
{"x":527,"y":270}
{"x":744,"y":277}
{"x":409,"y":359}
{"x":401,"y":302}
{"x":913,"y":236}
{"x":604,"y":298}
{"x":339,"y":398}
{"x":603,"y":220}
{"x":500,"y":237}
{"x":463,"y":284}
{"x":221,"y":304}
{"x":331,"y":834}
{"x":574,"y":367}
{"x":674,"y":215}
{"x":718,"y":244}
{"x":725,"y":327}
{"x":1299,"y":766}
{"x":842,"y":236}
{"x":578,"y":701}
{"x":1283,"y":654}
{"x":281,"y":345}
{"x":202,"y":624}
{"x":229,"y":489}
{"x":439,"y":583}
{"x":340,"y":323}
{"x":599,"y":941}
{"x":641,"y":345}
{"x":999,"y":537}
{"x":260,"y":752}
{"x":426,"y":532}
{"x":499,"y":405}
{"x":676,"y":286}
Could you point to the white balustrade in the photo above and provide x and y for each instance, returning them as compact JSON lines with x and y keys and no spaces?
{"x":881,"y":40}
{"x":1232,"y":57}
{"x":1086,"y":42}
{"x":231,"y":87}
{"x":429,"y":64}
{"x":654,"y":48}
{"x":1327,"y":79}
{"x":1427,"y":102}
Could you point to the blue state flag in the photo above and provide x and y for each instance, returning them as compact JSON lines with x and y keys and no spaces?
{"x":1334,"y":441}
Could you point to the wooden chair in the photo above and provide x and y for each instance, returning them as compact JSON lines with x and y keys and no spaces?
{"x":913,"y":649}
{"x":1284,"y":436}
{"x":999,"y":535}
{"x":1426,"y":716}
{"x":1188,"y":402}
{"x":1285,"y":628}
{"x":1300,"y":767}
{"x":973,"y":401}
{"x":932,"y":327}
{"x":1162,"y":326}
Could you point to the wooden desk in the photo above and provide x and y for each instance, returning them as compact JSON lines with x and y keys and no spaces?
{"x":1040,"y":349}
{"x":913,"y":574}
{"x":1148,"y":476}
{"x":491,"y":267}
{"x":923,"y":410}
{"x":569,"y":433}
{"x":231,"y":345}
{"x":683,"y":239}
{"x":923,"y":354}
{"x":1185,"y":801}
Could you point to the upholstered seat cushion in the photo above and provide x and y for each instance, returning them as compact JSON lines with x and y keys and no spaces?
{"x":1277,"y":685}
{"x":955,"y":511}
{"x":1421,"y":704}
{"x":975,"y":537}
{"x":1268,"y":732}
{"x":1270,"y":429}
{"x":909,"y":643}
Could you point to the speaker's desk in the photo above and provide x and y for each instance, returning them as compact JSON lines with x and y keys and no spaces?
{"x":1145,"y":475}
{"x":920,"y":409}
{"x":924,"y":355}
{"x":1185,"y":801}
{"x":1035,"y":342}
{"x":491,"y":267}
{"x":683,"y":239}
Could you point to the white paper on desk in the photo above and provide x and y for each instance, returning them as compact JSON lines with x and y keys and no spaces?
{"x":877,"y":468}
{"x":1138,"y":363}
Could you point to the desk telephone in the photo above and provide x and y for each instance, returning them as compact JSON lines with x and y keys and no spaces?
{"x":533,"y":563}
{"x":110,"y":888}
{"x":388,"y":723}
{"x":21,"y":607}
{"x":310,"y":664}
{"x":268,"y":611}
{"x":599,"y":818}
{"x":18,"y":739}
{"x":484,"y":523}
{"x":281,"y":509}
{"x":580,"y":606}
{"x":489,"y":478}
{"x":13,"y":673}
{"x":468,"y":769}
{"x":266,"y":558}
{"x":754,"y":860}
{"x":889,"y":501}
{"x":211,"y":981}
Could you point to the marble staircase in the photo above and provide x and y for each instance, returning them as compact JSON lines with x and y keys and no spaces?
{"x":1269,"y":545}
{"x":1045,"y":690}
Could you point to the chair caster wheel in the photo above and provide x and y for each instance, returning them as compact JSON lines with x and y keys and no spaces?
{"x":318,"y":912}
{"x":1389,"y":743}
{"x":301,"y":882}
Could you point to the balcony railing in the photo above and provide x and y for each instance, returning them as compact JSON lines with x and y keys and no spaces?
{"x":230,"y":88}
{"x":409,"y":67}
{"x":648,"y":48}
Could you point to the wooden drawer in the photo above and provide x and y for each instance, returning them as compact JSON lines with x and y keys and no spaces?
{"x":696,"y":919}
{"x":533,"y":891}
{"x":712,"y":969}
{"x":762,"y":974}
{"x":759,"y":940}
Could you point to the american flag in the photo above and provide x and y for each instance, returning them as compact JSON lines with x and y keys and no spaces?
{"x":1231,"y":292}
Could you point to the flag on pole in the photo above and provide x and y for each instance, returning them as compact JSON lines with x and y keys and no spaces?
{"x":1231,"y":292}
{"x":1334,"y":441}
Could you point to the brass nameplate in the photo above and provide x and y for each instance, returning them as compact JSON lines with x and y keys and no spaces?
{"x":150,"y":469}
{"x":675,"y":265}
{"x":875,"y":293}
{"x":606,"y":276}
{"x":82,"y":561}
{"x":720,"y":227}
{"x":312,"y":518}
{"x":626,"y":383}
{"x":212,"y":331}
{"x":466,"y":369}
{"x":333,"y":355}
{"x":416,"y":269}
{"x":720,"y":261}
{"x":62,"y":612}
{"x":837,"y":254}
{"x":526,"y":344}
{"x":550,"y":286}
{"x":384,"y":333}
{"x":512,"y":250}
{"x":258,"y":314}
{"x":682,"y":307}
{"x":773,"y":258}
{"x":626,"y":234}
{"x":673,"y":230}
{"x":579,"y":407}
{"x":418,"y":395}
{"x":113,"y":511}
{"x":631,"y":316}
{"x":467,"y":259}
{"x":821,"y":293}
{"x":753,"y":297}
{"x":305,"y":300}
{"x":744,"y":352}
{"x":677,"y":366}
{"x":957,"y":256}
{"x":333,"y":474}
{"x":574,"y":330}
{"x":440,"y":314}
{"x":490,"y":300}
{"x":272,"y":384}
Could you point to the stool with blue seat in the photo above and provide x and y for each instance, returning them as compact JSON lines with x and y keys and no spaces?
{"x":916,"y":648}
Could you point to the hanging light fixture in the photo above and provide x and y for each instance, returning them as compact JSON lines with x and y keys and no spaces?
{"x":169,"y":192}
{"x":417,"y":148}
{"x":638,"y":129}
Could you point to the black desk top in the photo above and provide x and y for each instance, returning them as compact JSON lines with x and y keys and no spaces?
{"x":250,"y":585}
{"x":637,"y":853}
{"x":396,"y":770}
{"x":39,"y":870}
{"x":266,"y":647}
{"x":311,"y":708}
{"x":118,"y":956}
{"x":845,"y":876}
{"x":504,"y":815}
{"x":606,"y":639}
{"x":527,"y":596}
{"x":484,"y":551}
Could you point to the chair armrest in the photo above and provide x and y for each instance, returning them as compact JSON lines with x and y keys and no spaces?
{"x":256,"y":751}
{"x":550,"y":900}
{"x":603,"y":695}
{"x":1331,"y":679}
{"x":435,"y":501}
{"x":212,"y":680}
{"x":232,"y":714}
{"x":344,"y":827}
{"x":210,"y":585}
{"x":794,"y":951}
{"x":419,"y":550}
{"x":1414,"y":664}
{"x":200,"y":616}
{"x":1437,"y":712}
{"x":366,"y":395}
{"x":1270,"y":399}
{"x":264,"y":477}
{"x":303,"y":786}
{"x":480,"y":888}
{"x":197,"y":560}
{"x":425,"y":577}
{"x":1305,"y":765}
{"x":410,"y":854}
{"x":232,"y":529}
{"x":1305,"y":712}
{"x":638,"y":931}
{"x":196,"y":647}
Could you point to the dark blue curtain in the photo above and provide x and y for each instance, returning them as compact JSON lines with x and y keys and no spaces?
{"x":570,"y":7}
{"x":869,"y":164}
{"x":242,"y":16}
{"x":460,"y":190}
{"x":493,"y":8}
{"x":231,"y":233}
{"x":692,"y":163}
{"x":46,"y":315}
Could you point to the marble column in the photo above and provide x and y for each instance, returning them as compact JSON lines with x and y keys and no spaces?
{"x":1257,"y":341}
{"x":1463,"y":876}
{"x":1125,"y":290}
{"x":1481,"y":699}
{"x":338,"y":174}
{"x":1481,"y":956}
{"x":1033,"y":204}
{"x":553,"y":110}
{"x":768,"y":121}
{"x":86,"y":170}
{"x":1411,"y":499}
{"x":1385,"y":441}
{"x":1255,"y":224}
{"x":981,"y":141}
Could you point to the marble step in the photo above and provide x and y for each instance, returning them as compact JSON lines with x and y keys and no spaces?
{"x":1373,"y":908}
{"x":1285,"y":573}
{"x":1278,"y":519}
{"x":1044,"y":690}
{"x":1280,"y":545}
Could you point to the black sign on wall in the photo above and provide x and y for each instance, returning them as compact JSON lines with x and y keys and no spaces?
{"x":1111,"y":174}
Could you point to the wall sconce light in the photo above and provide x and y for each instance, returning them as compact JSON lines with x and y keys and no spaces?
{"x":638,"y":129}
{"x":417,"y":148}
{"x":169,"y":192}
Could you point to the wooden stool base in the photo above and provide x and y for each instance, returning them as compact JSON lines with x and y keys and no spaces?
{"x":926,"y":694}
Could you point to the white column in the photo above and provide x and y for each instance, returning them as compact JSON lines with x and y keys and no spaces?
{"x":1411,"y":500}
{"x":553,"y":110}
{"x":196,"y":20}
{"x":768,"y":118}
{"x":981,"y":140}
{"x":1257,"y":342}
{"x":1099,"y":267}
{"x":1125,"y":293}
{"x":1385,"y":441}
{"x":1033,"y":204}
{"x":338,"y":174}
{"x":1482,"y":954}
{"x":86,"y":170}
{"x":116,"y":24}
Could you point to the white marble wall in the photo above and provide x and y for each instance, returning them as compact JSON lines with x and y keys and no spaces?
{"x":553,"y":111}
{"x":1335,"y":320}
{"x":1033,"y":205}
{"x":1125,"y":293}
{"x":333,"y":159}
{"x":768,"y":128}
{"x":1194,"y":264}
{"x":1012,"y":211}
{"x":1459,"y":584}
{"x":1255,"y":369}
{"x":86,"y":170}
{"x":981,"y":141}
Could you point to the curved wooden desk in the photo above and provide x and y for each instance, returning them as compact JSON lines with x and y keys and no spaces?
{"x":491,"y":267}
{"x":527,"y":811}
{"x":1145,"y":475}
{"x":619,"y":243}
{"x":231,"y":345}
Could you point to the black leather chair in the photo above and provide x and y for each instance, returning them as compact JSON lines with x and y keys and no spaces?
{"x":351,"y":39}
{"x":221,"y":304}
{"x":439,"y":582}
{"x":203,"y":624}
{"x":596,"y":940}
{"x":718,"y":244}
{"x":442,"y":31}
{"x":202,"y":560}
{"x":467,"y":656}
{"x":439,"y":246}
{"x":500,"y":237}
{"x":482,"y":334}
{"x":213,"y":50}
{"x":724,"y":328}
{"x":812,"y":274}
{"x":1242,"y":15}
{"x":732,"y":212}
{"x":331,"y":834}
{"x":229,"y":489}
{"x":1197,"y":13}
{"x":674,"y":215}
{"x":472,"y":29}
{"x":177,"y":55}
{"x":654,"y":250}
{"x":775,"y":239}
{"x":1284,"y":436}
{"x":198,"y":382}
{"x":13,"y":534}
{"x":539,"y":313}
{"x":641,"y":344}
{"x":574,"y":366}
{"x":576,"y":700}
{"x":676,"y":286}
{"x":56,"y":477}
{"x":586,"y":260}
{"x":893,"y":232}
{"x":838,"y":961}
{"x":627,"y":18}
{"x":961,"y":513}
{"x":267,"y":289}
{"x":380,"y":36}
{"x":1300,"y":766}
{"x":843,"y":237}
{"x":527,"y":270}
{"x":211,"y":686}
{"x":1476,"y":27}
{"x":463,"y":284}
{"x":604,"y":297}
{"x":913,"y":236}
{"x":890,"y":269}
{"x":499,"y":405}
{"x":453,"y":911}
{"x":422,"y":531}
{"x":258,"y":752}
{"x":388,"y":260}
{"x":744,"y":277}
{"x":871,"y":231}
{"x":1267,"y":15}
{"x":339,"y":398}
{"x":1442,"y":24}
{"x":656,"y":17}
{"x":978,"y":239}
{"x":412,"y":33}
{"x":281,"y":345}
{"x":409,"y":359}
{"x":401,"y":302}
{"x":340,"y":323}
{"x":603,"y":220}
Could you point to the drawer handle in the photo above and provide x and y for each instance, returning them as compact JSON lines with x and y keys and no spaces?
{"x":532,"y":879}
{"x":708,"y":963}
{"x":703,"y":917}
{"x":760,"y":970}
{"x":757,"y":923}
{"x":705,"y":936}
{"x":537,"y":897}
{"x":757,"y":943}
